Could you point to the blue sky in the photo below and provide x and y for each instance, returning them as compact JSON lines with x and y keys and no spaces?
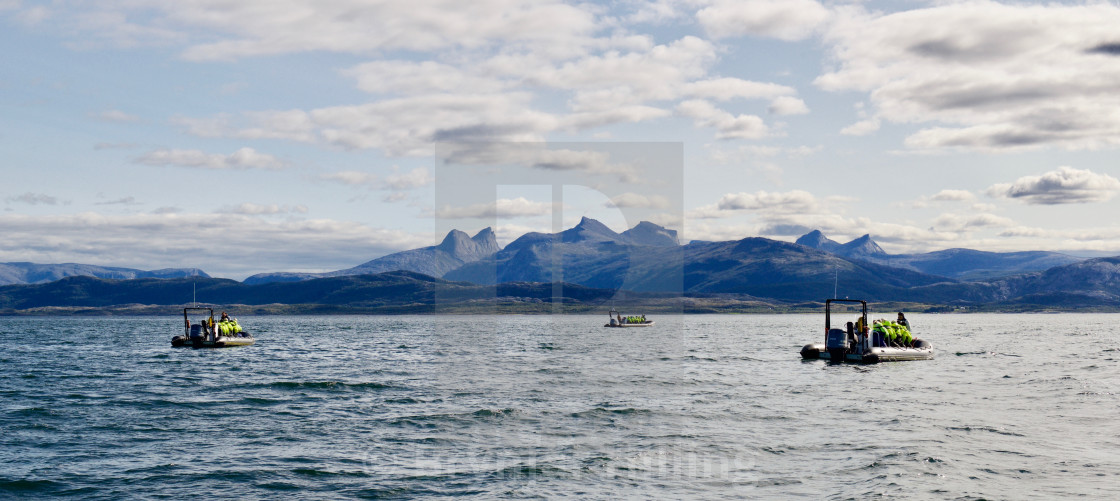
{"x":253,"y":136}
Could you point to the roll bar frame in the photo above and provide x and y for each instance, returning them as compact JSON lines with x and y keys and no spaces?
{"x":860,"y":337}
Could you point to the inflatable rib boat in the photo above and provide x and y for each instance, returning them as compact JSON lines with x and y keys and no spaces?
{"x":203,"y":332}
{"x":618,"y":320}
{"x":859,"y":344}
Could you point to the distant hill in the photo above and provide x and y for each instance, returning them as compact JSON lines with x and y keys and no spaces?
{"x":456,"y":249}
{"x":750,"y":268}
{"x":32,"y":273}
{"x":774,"y":269}
{"x":397,"y":288}
{"x":793,"y":275}
{"x":960,"y":264}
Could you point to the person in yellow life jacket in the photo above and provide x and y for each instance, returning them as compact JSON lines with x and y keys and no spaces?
{"x":904,"y":327}
{"x":228,"y":326}
{"x":893,"y":333}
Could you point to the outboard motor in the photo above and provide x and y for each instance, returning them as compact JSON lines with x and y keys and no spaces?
{"x":837,"y":344}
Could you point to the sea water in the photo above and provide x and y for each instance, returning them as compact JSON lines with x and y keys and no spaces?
{"x":699,"y":407}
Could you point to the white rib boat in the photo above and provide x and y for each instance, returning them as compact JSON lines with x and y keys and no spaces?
{"x":861,"y":346}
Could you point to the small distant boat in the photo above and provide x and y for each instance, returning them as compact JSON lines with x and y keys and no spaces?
{"x":864,"y":345}
{"x":202,"y":332}
{"x":618,"y":320}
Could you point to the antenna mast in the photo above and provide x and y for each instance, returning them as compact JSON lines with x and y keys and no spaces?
{"x":835,"y":279}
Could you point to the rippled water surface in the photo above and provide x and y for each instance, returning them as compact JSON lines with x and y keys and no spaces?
{"x":702,"y":407}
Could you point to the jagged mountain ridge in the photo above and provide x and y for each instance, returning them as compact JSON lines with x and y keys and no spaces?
{"x":456,"y":249}
{"x":589,"y":254}
{"x":959,"y":264}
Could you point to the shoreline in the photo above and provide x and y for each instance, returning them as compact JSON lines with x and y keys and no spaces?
{"x":531,"y":308}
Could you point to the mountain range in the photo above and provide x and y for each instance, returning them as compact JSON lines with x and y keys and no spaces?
{"x":963,"y":264}
{"x":456,"y":249}
{"x":649,"y":259}
{"x":31,"y":273}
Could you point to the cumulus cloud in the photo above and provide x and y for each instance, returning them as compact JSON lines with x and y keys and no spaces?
{"x":1063,"y":186}
{"x":420,"y":77}
{"x":636,"y":201}
{"x":244,"y":158}
{"x":947,"y":195}
{"x":953,"y":196}
{"x":861,"y":128}
{"x":253,"y":28}
{"x":251,"y":209}
{"x":796,"y":201}
{"x":496,"y":98}
{"x":727,"y":88}
{"x":960,"y":222}
{"x":504,"y":208}
{"x":984,"y":75}
{"x":727,"y":126}
{"x":782,"y":19}
{"x":415,"y":178}
{"x":535,"y":155}
{"x":396,"y":181}
{"x":351,"y":178}
{"x":406,"y":126}
{"x":175,"y":239}
{"x":788,"y":105}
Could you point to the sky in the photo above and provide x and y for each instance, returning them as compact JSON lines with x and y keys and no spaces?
{"x":253,"y":136}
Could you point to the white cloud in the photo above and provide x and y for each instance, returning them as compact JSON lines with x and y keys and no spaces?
{"x":861,"y":128}
{"x":953,"y":196}
{"x":251,"y":209}
{"x":782,"y":19}
{"x":351,"y":178}
{"x":788,"y":105}
{"x":728,"y":126}
{"x":636,"y":201}
{"x":415,"y":178}
{"x":946,"y":195}
{"x":535,"y":155}
{"x":244,"y":158}
{"x":727,"y":88}
{"x":791,"y":202}
{"x":178,"y":239}
{"x":984,"y":75}
{"x":503,"y":208}
{"x":261,"y":27}
{"x":961,"y":222}
{"x":496,"y":98}
{"x":796,"y":201}
{"x":406,"y":126}
{"x":1063,"y":186}
{"x":396,"y":181}
{"x":423,"y":77}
